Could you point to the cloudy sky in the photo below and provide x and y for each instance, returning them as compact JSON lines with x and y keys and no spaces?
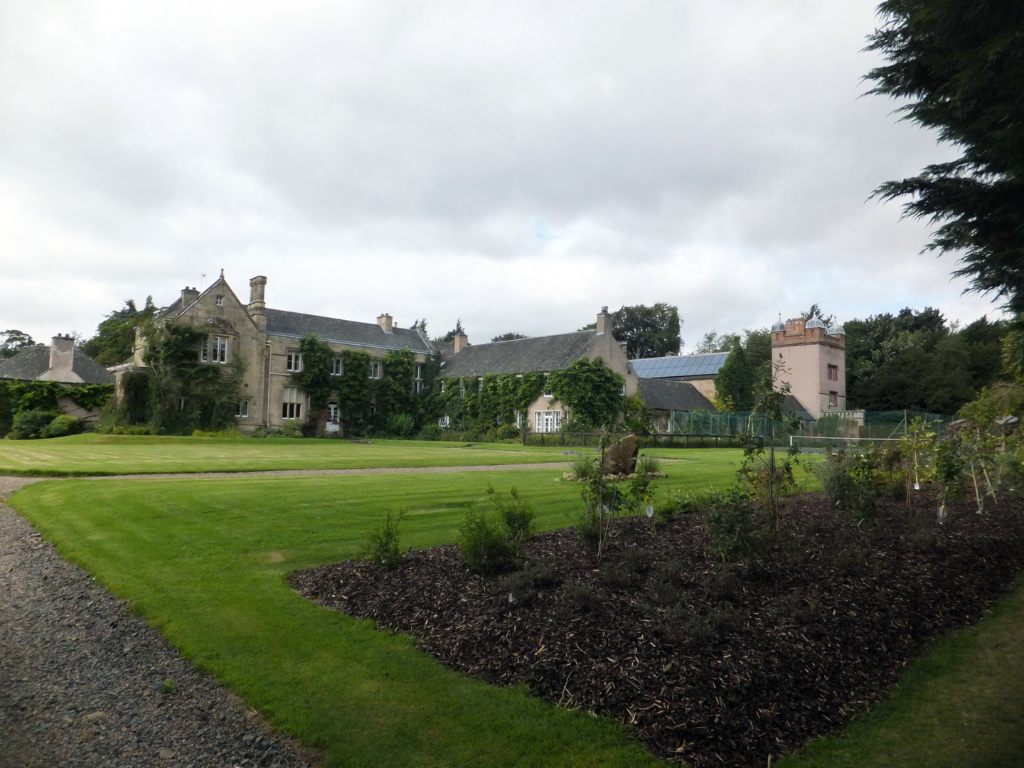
{"x":516,"y":165}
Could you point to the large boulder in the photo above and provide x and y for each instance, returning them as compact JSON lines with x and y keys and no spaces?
{"x":620,"y":458}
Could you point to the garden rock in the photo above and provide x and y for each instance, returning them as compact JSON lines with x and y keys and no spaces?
{"x":620,"y":458}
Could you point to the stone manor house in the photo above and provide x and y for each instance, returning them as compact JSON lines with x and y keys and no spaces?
{"x":268,"y":341}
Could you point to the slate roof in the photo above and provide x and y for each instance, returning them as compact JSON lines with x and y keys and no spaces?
{"x":534,"y":355}
{"x":666,"y":395}
{"x":32,"y":362}
{"x":679,"y":366}
{"x":297,"y":324}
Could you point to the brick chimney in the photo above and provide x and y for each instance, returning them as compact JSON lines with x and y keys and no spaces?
{"x":460,"y":342}
{"x":386,"y":322}
{"x":604,"y":321}
{"x":188,"y":295}
{"x":257,"y":301}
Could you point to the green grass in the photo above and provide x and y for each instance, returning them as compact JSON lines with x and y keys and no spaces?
{"x":959,"y":706}
{"x":94,"y":454}
{"x":206,"y":562}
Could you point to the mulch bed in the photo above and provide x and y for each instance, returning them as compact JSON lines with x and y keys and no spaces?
{"x":711,"y":664}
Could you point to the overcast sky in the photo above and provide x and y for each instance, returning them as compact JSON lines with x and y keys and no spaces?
{"x":516,"y":165}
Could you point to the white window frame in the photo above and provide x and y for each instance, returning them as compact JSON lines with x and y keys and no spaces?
{"x":444,"y":422}
{"x":291,"y":403}
{"x":219,"y":301}
{"x":219,"y":349}
{"x":547,"y":421}
{"x":442,"y":386}
{"x":338,"y":367}
{"x":622,"y":391}
{"x":242,"y":409}
{"x":520,"y":419}
{"x":333,"y":412}
{"x":293,"y":362}
{"x":375,"y":369}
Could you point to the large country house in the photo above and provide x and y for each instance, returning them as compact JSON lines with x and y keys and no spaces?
{"x":268,"y":341}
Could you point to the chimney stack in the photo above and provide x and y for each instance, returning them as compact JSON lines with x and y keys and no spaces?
{"x":460,"y":342}
{"x":62,"y":361}
{"x":188,"y":295}
{"x":257,"y":301}
{"x":604,"y":321}
{"x":386,"y":322}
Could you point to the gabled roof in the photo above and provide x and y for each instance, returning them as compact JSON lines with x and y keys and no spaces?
{"x":297,"y":325}
{"x":32,"y":362}
{"x":534,"y":355}
{"x":679,"y":366}
{"x":666,"y":395}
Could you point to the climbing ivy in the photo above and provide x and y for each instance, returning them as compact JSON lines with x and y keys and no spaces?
{"x":184,"y":393}
{"x":481,"y":404}
{"x":18,"y":396}
{"x":590,"y":392}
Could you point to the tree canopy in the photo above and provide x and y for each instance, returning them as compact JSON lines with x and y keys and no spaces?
{"x":13,"y":341}
{"x":959,"y":63}
{"x":509,"y":336}
{"x":114,"y":341}
{"x":648,"y":331}
{"x":734,"y":384}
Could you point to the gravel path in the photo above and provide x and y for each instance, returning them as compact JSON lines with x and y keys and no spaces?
{"x":82,"y":679}
{"x":86,"y":683}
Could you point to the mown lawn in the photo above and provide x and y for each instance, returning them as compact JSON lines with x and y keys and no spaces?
{"x":206,"y":562}
{"x":94,"y":454}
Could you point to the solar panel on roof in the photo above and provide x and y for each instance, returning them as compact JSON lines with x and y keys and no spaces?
{"x":677,"y":367}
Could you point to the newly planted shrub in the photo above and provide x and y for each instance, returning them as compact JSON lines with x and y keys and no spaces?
{"x":490,"y":542}
{"x":382,"y":544}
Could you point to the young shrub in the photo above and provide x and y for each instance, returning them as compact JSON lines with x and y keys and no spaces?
{"x":382,"y":544}
{"x":582,"y":598}
{"x":852,"y":482}
{"x":62,"y":425}
{"x":524,"y":586}
{"x":291,"y":428}
{"x":401,"y":425}
{"x":737,"y":532}
{"x":514,"y":514}
{"x":485,"y":544}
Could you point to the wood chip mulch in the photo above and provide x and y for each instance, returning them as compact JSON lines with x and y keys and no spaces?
{"x":710,"y":664}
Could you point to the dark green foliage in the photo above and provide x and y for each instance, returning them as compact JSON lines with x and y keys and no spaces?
{"x":589,"y":391}
{"x":354,"y":392}
{"x":474,"y":405}
{"x":30,"y":424}
{"x":456,"y":331}
{"x":490,"y":543}
{"x":738,"y":530}
{"x":382,"y":544}
{"x":648,"y":331}
{"x":394,"y":391}
{"x":524,"y":586}
{"x":431,"y":432}
{"x":17,"y":396}
{"x":958,"y":65}
{"x":400,"y":425}
{"x":514,"y":513}
{"x":316,"y":376}
{"x":582,"y":598}
{"x":852,"y":482}
{"x":735,"y":380}
{"x":61,"y":426}
{"x":13,"y":342}
{"x":184,"y":393}
{"x":114,"y":341}
{"x":509,"y":336}
{"x":485,"y":547}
